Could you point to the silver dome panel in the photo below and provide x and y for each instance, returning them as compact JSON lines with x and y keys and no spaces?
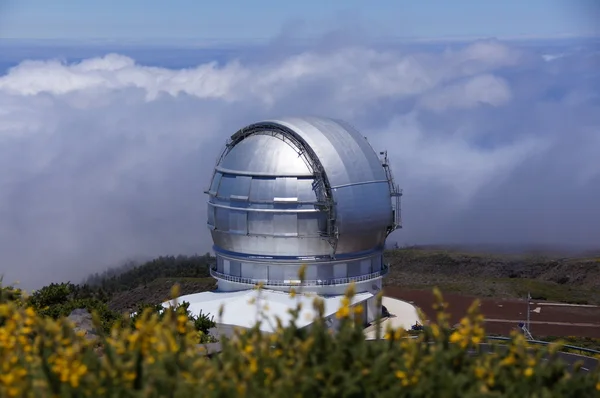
{"x":300,"y":189}
{"x":275,"y":158}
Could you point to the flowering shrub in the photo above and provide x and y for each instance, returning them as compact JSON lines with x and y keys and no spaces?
{"x":58,"y":300}
{"x":44,"y":357}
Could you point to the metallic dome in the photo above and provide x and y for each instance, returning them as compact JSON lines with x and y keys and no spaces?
{"x":300,"y":190}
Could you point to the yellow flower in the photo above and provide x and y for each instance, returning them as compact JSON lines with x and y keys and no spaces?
{"x":528,"y":372}
{"x":351,"y":290}
{"x":4,"y":310}
{"x":302,"y":272}
{"x":133,"y":338}
{"x":509,"y":360}
{"x":175,"y":290}
{"x":253,"y":365}
{"x":401,"y":375}
{"x":479,"y":372}
{"x":7,"y":379}
{"x":399,"y":333}
{"x":182,"y":318}
{"x":455,"y":337}
{"x":343,"y":312}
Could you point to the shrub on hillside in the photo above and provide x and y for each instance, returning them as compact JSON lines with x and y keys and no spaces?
{"x":10,"y":294}
{"x":202,"y":323}
{"x":58,"y":300}
{"x":43,"y":357}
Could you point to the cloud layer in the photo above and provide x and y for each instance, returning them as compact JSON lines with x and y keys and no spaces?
{"x":106,"y":159}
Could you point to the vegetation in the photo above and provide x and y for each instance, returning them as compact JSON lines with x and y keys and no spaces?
{"x":111,"y":294}
{"x":131,"y":275}
{"x":547,"y":276}
{"x":43,"y":357}
{"x":116,"y":291}
{"x":58,"y":300}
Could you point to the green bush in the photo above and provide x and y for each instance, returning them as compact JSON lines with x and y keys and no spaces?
{"x":58,"y":300}
{"x":202,"y":323}
{"x":10,"y":294}
{"x":160,"y":356}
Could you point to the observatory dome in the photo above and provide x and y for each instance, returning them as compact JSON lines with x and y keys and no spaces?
{"x":300,"y":191}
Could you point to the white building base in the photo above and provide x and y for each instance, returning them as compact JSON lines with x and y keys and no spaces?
{"x":244,"y":308}
{"x":403,"y":315}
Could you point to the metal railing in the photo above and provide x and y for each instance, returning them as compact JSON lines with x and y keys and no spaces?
{"x":293,"y":283}
{"x":540,"y":342}
{"x":214,"y":348}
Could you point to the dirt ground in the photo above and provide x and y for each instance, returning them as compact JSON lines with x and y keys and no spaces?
{"x":503,"y":315}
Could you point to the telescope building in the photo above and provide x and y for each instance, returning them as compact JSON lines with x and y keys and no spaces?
{"x":291,"y":192}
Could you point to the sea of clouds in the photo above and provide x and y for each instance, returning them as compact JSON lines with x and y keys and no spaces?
{"x":106,"y":158}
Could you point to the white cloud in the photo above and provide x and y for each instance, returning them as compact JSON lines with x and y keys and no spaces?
{"x":370,"y":73}
{"x":481,"y":89}
{"x":105,"y":159}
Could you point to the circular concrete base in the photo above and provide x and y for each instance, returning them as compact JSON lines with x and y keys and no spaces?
{"x":403,"y":315}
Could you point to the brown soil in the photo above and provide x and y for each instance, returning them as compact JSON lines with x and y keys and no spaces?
{"x":503,"y":315}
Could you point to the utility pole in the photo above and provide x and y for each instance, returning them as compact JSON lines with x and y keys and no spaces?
{"x":528,"y":311}
{"x":525,"y":327}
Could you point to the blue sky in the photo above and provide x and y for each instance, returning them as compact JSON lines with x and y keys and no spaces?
{"x":229,"y":19}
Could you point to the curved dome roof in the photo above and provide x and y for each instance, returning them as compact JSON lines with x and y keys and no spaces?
{"x":345,"y":154}
{"x":348,"y":180}
{"x":264,"y":155}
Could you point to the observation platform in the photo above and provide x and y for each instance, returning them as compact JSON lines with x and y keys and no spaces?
{"x":244,"y":308}
{"x":289,"y":283}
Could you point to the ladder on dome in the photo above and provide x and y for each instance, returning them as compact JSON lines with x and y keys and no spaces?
{"x":327,"y":204}
{"x":395,"y":193}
